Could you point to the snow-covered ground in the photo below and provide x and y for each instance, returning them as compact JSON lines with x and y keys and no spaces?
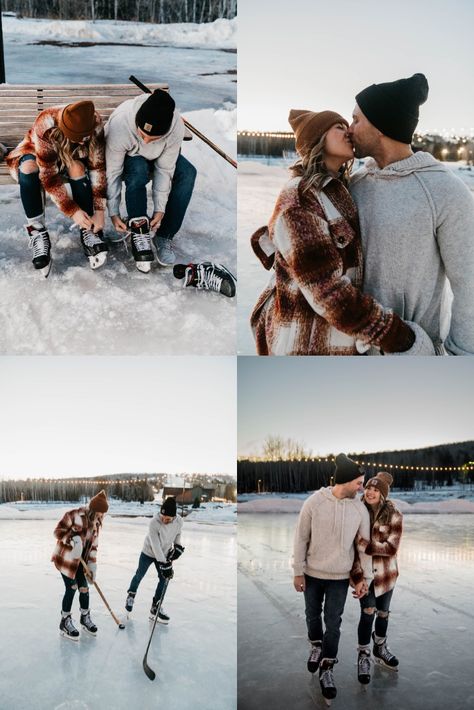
{"x":259,"y":183}
{"x":431,"y":622}
{"x":118,"y":310}
{"x":194,"y":657}
{"x":221,"y":34}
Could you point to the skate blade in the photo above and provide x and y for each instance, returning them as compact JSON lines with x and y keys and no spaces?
{"x":70,"y":638}
{"x":380,"y":663}
{"x":158,"y":621}
{"x":98,"y":260}
{"x":45,"y":270}
{"x":143,"y":266}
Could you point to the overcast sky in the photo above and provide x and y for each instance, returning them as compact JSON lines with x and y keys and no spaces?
{"x":67,"y":416}
{"x":317,"y":55}
{"x":355,"y":404}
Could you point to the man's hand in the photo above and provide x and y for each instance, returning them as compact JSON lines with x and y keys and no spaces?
{"x":98,"y":220}
{"x":360,"y":590}
{"x":299,"y":583}
{"x":119,"y":225}
{"x":156,"y":220}
{"x":166,"y":569}
{"x":82,"y":219}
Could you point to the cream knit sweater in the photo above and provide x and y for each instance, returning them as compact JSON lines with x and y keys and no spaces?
{"x":325,"y":533}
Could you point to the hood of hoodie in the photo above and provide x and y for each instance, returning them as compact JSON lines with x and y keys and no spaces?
{"x":416,"y":163}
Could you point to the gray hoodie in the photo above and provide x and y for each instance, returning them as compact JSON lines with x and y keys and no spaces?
{"x":325,"y":533}
{"x":122,"y":139}
{"x":417,"y":224}
{"x":161,"y":537}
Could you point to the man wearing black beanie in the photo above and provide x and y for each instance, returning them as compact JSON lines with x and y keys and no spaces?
{"x":143,"y":143}
{"x":417,"y":221}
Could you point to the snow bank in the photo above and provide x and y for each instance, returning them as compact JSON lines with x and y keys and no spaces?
{"x":117,"y":310}
{"x":221,"y":34}
{"x":214,"y":513}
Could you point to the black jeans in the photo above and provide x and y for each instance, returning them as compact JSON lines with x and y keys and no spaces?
{"x":332,"y":593}
{"x":72,"y":585}
{"x":370,"y":601}
{"x":143,"y":564}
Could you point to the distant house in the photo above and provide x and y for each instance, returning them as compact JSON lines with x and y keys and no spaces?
{"x":188,"y":494}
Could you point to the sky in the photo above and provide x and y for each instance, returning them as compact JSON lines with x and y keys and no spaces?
{"x":318,"y":55}
{"x":355,"y":404}
{"x":72,"y":416}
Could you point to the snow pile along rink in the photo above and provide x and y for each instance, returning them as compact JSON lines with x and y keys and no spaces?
{"x":117,"y":310}
{"x":220,"y":34}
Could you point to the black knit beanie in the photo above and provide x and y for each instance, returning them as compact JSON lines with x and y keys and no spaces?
{"x":169,"y":507}
{"x":393,"y":107}
{"x":346,"y":469}
{"x":155,"y":115}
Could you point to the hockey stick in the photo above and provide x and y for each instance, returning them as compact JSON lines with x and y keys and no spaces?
{"x":188,"y":125}
{"x":89,"y":574}
{"x":149,"y":672}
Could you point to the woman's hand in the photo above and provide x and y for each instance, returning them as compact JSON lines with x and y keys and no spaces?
{"x":299,"y":583}
{"x":82,"y":219}
{"x":98,"y":220}
{"x":76,"y":542}
{"x":119,"y":225}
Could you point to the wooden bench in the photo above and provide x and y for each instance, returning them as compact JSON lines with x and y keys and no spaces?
{"x":21,"y":103}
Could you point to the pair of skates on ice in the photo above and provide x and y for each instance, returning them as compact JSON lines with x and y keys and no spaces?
{"x":206,"y":275}
{"x":162,"y":618}
{"x":68,"y":630}
{"x":382,"y":656}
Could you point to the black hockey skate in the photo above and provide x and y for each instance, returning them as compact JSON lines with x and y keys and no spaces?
{"x":326,"y":680}
{"x":130,"y":600}
{"x":87,"y":623}
{"x":142,"y":249}
{"x":363,"y":667}
{"x":67,"y":628}
{"x":162,"y":617}
{"x":40,"y":243}
{"x":314,"y":657}
{"x":383,"y":656}
{"x":94,"y":247}
{"x":208,"y":276}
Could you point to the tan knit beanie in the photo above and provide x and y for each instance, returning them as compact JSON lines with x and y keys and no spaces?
{"x":77,"y":120}
{"x":382,"y":481}
{"x":309,"y":127}
{"x":99,"y":503}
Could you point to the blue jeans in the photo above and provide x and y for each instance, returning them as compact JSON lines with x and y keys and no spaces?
{"x":138,"y":171}
{"x":143,"y":564}
{"x":71,"y":588}
{"x":332,"y":593}
{"x":31,"y":191}
{"x":370,"y":601}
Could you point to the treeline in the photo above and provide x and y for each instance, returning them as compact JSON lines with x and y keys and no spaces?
{"x":160,"y":11}
{"x":43,"y":490}
{"x":298,"y":476}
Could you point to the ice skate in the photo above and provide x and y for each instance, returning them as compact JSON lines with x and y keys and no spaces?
{"x":94,"y":247}
{"x":208,"y":276}
{"x":326,"y":680}
{"x":314,"y":657}
{"x":363,"y":667}
{"x":130,"y":601}
{"x":67,"y":628}
{"x":164,"y":251}
{"x":87,"y":623}
{"x":142,"y":249}
{"x":162,"y":617}
{"x":40,"y":243}
{"x":383,"y":656}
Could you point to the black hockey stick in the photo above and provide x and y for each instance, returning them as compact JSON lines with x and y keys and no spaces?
{"x":149,"y":671}
{"x":188,"y":125}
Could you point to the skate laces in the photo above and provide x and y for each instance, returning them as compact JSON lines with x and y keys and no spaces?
{"x":326,"y":677}
{"x":364,"y":663}
{"x":90,"y":238}
{"x":38,"y":241}
{"x":142,"y":242}
{"x":207,"y":278}
{"x":68,"y":625}
{"x":385,"y":652}
{"x":315,"y":654}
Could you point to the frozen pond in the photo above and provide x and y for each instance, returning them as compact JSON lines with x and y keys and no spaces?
{"x":431,"y":625}
{"x":181,"y":68}
{"x":194,"y":657}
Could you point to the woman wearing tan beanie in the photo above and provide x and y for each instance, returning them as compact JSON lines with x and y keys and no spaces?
{"x":386,"y":531}
{"x":65,"y":144}
{"x":313,"y":304}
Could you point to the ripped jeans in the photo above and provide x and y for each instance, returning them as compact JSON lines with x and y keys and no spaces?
{"x":381,"y":605}
{"x":72,"y":585}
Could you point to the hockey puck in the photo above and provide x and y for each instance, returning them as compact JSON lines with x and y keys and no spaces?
{"x":121,"y":626}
